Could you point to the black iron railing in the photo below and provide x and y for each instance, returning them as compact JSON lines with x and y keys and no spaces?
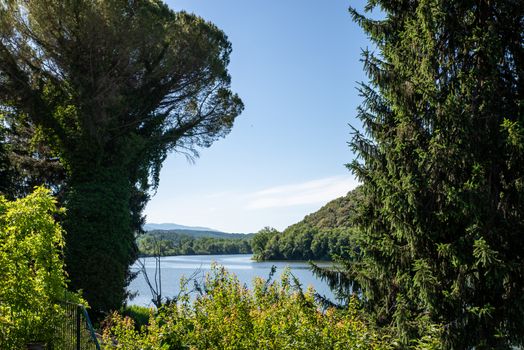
{"x":75,"y":331}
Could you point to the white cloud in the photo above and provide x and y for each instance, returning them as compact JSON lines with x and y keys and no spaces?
{"x":241,"y":210}
{"x":310,"y":192}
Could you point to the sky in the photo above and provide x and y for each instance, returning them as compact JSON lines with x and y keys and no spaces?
{"x":296,"y":66}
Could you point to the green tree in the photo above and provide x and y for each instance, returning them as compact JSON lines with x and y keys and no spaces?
{"x":31,"y":270}
{"x":113,"y":86}
{"x":260,"y":241}
{"x":6,"y":173}
{"x":28,"y":160}
{"x":441,"y":162}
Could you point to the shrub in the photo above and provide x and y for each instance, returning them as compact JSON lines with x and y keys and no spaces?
{"x":31,"y":270}
{"x":139,"y":314}
{"x":230,"y":316}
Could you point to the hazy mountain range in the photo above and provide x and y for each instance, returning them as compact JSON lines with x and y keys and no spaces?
{"x":171,"y":226}
{"x":170,"y":230}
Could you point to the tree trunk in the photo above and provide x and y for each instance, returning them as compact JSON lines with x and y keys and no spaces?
{"x":100,"y":243}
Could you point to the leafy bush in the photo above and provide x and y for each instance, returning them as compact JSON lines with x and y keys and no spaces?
{"x":31,"y":270}
{"x":139,"y":314}
{"x":230,"y":316}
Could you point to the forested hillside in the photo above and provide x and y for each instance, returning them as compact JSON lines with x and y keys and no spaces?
{"x":336,"y":214}
{"x":319,"y":236}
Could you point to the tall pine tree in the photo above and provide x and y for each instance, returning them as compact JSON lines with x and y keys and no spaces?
{"x":441,"y":225}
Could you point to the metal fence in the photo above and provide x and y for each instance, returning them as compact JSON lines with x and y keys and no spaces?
{"x":75,"y":331}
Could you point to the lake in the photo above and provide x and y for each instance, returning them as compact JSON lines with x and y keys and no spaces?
{"x":174,"y":267}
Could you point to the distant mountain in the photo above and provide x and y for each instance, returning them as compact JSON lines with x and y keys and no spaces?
{"x":170,"y":226}
{"x":167,"y":234}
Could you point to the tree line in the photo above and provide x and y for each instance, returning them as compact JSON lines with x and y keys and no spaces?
{"x":300,"y":242}
{"x":150,"y":244}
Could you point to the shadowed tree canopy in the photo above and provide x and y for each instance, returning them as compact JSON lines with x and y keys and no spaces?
{"x":112,"y":87}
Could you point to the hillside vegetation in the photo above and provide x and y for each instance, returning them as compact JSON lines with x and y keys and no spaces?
{"x":319,"y":236}
{"x":338,"y":213}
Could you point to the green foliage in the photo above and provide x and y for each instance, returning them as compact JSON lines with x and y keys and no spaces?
{"x":27,"y":160}
{"x":188,"y":242}
{"x":319,"y":236}
{"x":6,"y":173}
{"x":31,"y":270}
{"x":442,"y":213}
{"x":110,"y":87}
{"x":150,"y":245}
{"x":260,"y":241}
{"x":230,"y":316}
{"x":99,"y":250}
{"x":339,"y":213}
{"x":139,"y":314}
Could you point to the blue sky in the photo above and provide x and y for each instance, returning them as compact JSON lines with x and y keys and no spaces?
{"x":296,"y":65}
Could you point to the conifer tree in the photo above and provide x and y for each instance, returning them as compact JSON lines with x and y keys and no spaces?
{"x":441,"y":159}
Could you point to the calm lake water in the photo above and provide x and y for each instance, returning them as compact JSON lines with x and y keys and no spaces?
{"x":174,"y":267}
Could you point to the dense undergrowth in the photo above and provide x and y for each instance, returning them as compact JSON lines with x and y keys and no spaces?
{"x":271,"y":315}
